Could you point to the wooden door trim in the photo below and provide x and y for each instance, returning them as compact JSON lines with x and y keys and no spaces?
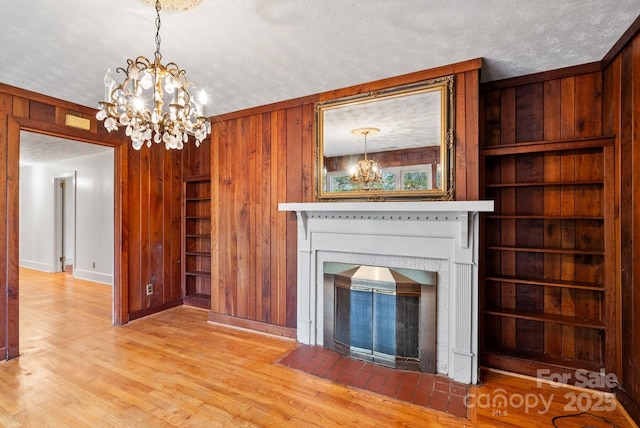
{"x":120,"y":278}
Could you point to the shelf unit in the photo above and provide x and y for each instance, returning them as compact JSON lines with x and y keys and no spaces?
{"x":543,"y":286}
{"x":196,"y":242}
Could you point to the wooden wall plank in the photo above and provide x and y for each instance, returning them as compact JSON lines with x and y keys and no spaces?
{"x":258,"y":173}
{"x":267,"y":213}
{"x":253,"y":197}
{"x":167,"y":191}
{"x":13,"y":238}
{"x":145,"y":220}
{"x":308,"y":149}
{"x":461,"y":173}
{"x":280,"y":286}
{"x":231,"y":286}
{"x":635,"y":212}
{"x":471,"y":147}
{"x":42,"y":112}
{"x":567,"y":126}
{"x":4,"y":233}
{"x":612,"y":95}
{"x":508,"y":116}
{"x":294,"y":193}
{"x":135,"y":231}
{"x":552,"y":110}
{"x":529,"y":112}
{"x":243,"y":251}
{"x":275,"y":220}
{"x":20,"y":107}
{"x":588,"y":103}
{"x":156,"y":229}
{"x":492,"y":118}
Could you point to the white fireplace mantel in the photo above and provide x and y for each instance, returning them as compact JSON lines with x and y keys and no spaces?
{"x":390,"y":233}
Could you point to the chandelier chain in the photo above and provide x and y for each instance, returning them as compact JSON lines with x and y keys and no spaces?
{"x":157,"y":54}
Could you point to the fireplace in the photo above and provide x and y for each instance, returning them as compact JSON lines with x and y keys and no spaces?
{"x":436,"y":237}
{"x":381,"y":314}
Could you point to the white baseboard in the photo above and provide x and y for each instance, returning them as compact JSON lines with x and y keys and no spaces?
{"x":103,"y":278}
{"x":32,"y":264}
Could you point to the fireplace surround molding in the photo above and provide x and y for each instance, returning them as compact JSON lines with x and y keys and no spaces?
{"x":397,"y":234}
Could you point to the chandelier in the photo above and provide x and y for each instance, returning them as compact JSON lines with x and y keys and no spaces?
{"x":365,"y":173}
{"x":140,"y":102}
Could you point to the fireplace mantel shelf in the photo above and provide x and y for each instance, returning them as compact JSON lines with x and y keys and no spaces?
{"x":377,"y":207}
{"x":459,"y":209}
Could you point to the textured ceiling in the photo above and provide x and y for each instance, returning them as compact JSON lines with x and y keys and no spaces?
{"x":247,"y":53}
{"x":39,"y":149}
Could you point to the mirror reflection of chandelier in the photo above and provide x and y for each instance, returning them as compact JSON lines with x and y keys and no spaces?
{"x":365,"y":173}
{"x":140,"y":105}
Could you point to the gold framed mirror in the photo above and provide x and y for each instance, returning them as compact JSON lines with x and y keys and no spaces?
{"x":389,"y":144}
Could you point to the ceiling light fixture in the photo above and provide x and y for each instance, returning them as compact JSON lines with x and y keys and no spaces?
{"x":365,"y":173}
{"x":151,"y":83}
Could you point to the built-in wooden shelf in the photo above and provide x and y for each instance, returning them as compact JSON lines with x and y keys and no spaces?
{"x":199,"y":273}
{"x":550,"y":183}
{"x":547,"y":250}
{"x":517,"y":360}
{"x":196,"y":242}
{"x":198,"y":300}
{"x":198,"y":253}
{"x":542,"y":217}
{"x":544,"y":293}
{"x":547,"y":146}
{"x":546,"y":317}
{"x":547,"y":282}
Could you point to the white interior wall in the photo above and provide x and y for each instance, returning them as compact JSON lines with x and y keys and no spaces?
{"x":94,"y":215}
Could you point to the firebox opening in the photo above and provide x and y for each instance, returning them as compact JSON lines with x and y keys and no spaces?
{"x":383,"y":315}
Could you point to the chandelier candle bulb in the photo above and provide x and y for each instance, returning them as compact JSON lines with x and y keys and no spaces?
{"x":202,"y":98}
{"x":109,"y":84}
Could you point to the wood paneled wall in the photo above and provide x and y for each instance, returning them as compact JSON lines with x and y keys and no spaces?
{"x":265,"y":156}
{"x":622,"y":118}
{"x":259,"y":160}
{"x":154,"y":214}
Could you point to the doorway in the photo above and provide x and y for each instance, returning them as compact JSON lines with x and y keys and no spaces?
{"x":9,"y":337}
{"x":62,"y":223}
{"x":64,"y":233}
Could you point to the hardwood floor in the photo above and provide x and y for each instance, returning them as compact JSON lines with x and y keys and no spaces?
{"x":175,"y":369}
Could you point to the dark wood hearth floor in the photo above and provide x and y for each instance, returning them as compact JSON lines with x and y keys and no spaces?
{"x":424,"y":389}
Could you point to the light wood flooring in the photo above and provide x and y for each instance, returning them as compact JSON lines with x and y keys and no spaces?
{"x":175,"y":369}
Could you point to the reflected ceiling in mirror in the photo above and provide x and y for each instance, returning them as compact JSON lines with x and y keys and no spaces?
{"x":412,"y":144}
